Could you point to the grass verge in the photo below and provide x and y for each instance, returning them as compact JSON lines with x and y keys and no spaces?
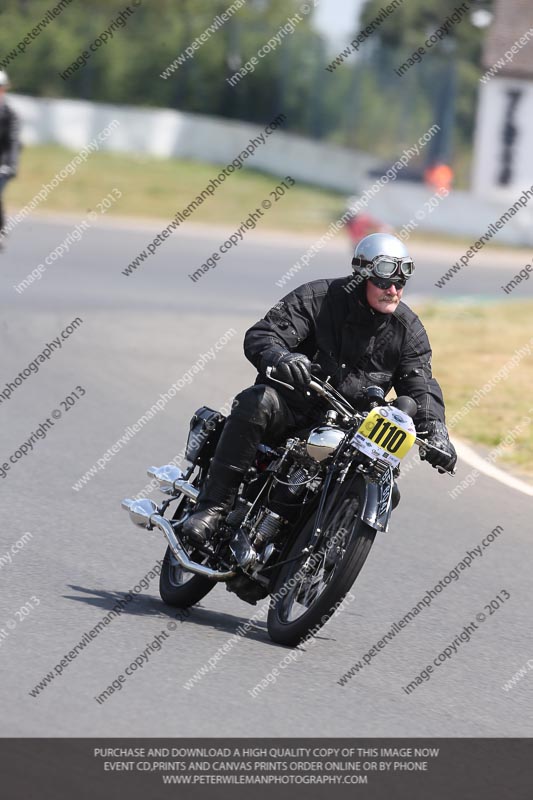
{"x":471,"y":343}
{"x":153,"y":187}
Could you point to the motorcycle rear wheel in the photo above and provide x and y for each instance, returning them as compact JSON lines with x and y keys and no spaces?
{"x":179,"y":588}
{"x":337,"y":570}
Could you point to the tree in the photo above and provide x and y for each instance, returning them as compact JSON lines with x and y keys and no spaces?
{"x":457,"y":58}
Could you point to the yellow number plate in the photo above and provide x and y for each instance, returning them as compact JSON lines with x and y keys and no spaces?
{"x":386,"y":433}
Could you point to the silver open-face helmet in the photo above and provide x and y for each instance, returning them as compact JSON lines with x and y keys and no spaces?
{"x":383,"y":259}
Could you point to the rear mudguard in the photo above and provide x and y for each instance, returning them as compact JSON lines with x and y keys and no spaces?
{"x":377,"y":502}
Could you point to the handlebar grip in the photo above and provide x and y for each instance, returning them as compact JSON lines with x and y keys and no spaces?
{"x":316,"y":386}
{"x":424,"y":446}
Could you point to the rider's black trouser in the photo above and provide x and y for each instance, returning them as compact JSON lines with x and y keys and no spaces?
{"x":259,"y":414}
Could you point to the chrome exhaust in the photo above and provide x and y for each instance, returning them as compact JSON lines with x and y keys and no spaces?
{"x":187,"y":489}
{"x":171,"y":481}
{"x":144,"y":513}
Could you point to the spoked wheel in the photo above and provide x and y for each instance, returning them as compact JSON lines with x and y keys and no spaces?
{"x":309,"y":589}
{"x":180,"y":588}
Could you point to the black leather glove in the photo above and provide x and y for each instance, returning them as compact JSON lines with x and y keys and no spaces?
{"x":438,"y":436}
{"x":294,"y":368}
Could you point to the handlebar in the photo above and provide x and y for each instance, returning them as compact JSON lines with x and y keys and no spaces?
{"x":340,"y":404}
{"x":323,"y":388}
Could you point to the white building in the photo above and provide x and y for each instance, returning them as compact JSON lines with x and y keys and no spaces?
{"x":503,"y":153}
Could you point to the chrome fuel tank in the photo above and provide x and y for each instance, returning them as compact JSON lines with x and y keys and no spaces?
{"x":323,"y":441}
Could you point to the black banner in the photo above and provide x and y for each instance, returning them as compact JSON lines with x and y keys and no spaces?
{"x":150,"y":769}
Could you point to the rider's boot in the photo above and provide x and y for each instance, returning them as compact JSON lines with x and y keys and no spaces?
{"x":214,"y":500}
{"x":234,"y":454}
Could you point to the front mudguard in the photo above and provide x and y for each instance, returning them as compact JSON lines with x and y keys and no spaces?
{"x":377,"y":501}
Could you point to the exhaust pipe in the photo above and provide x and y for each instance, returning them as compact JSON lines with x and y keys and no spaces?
{"x":187,"y":489}
{"x":144,"y":513}
{"x":171,"y":481}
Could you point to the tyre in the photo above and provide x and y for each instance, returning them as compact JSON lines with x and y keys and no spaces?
{"x":179,"y":588}
{"x":308,"y":590}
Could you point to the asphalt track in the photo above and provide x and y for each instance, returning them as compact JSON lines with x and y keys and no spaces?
{"x":139,"y":335}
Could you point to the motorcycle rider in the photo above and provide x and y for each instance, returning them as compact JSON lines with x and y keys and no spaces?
{"x":357,"y":332}
{"x":9,"y":145}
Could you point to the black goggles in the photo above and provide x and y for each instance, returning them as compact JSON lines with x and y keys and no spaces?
{"x":386,"y":283}
{"x":386,"y":268}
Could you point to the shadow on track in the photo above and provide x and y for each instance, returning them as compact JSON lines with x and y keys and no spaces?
{"x":149,"y":606}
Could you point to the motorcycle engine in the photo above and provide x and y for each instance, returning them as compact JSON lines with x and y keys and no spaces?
{"x":298,"y":480}
{"x":295,"y":475}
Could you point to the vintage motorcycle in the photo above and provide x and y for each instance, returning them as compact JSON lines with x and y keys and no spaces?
{"x":304,"y":519}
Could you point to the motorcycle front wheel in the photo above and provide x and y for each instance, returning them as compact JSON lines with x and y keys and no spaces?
{"x":310,"y":588}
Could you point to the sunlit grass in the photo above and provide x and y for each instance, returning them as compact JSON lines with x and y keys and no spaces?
{"x":470,"y":345}
{"x":159,"y":188}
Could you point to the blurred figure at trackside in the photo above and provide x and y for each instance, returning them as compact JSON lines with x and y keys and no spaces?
{"x":9,"y":146}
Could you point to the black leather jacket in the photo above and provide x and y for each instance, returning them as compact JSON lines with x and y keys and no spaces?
{"x":9,"y":137}
{"x":354,"y":345}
